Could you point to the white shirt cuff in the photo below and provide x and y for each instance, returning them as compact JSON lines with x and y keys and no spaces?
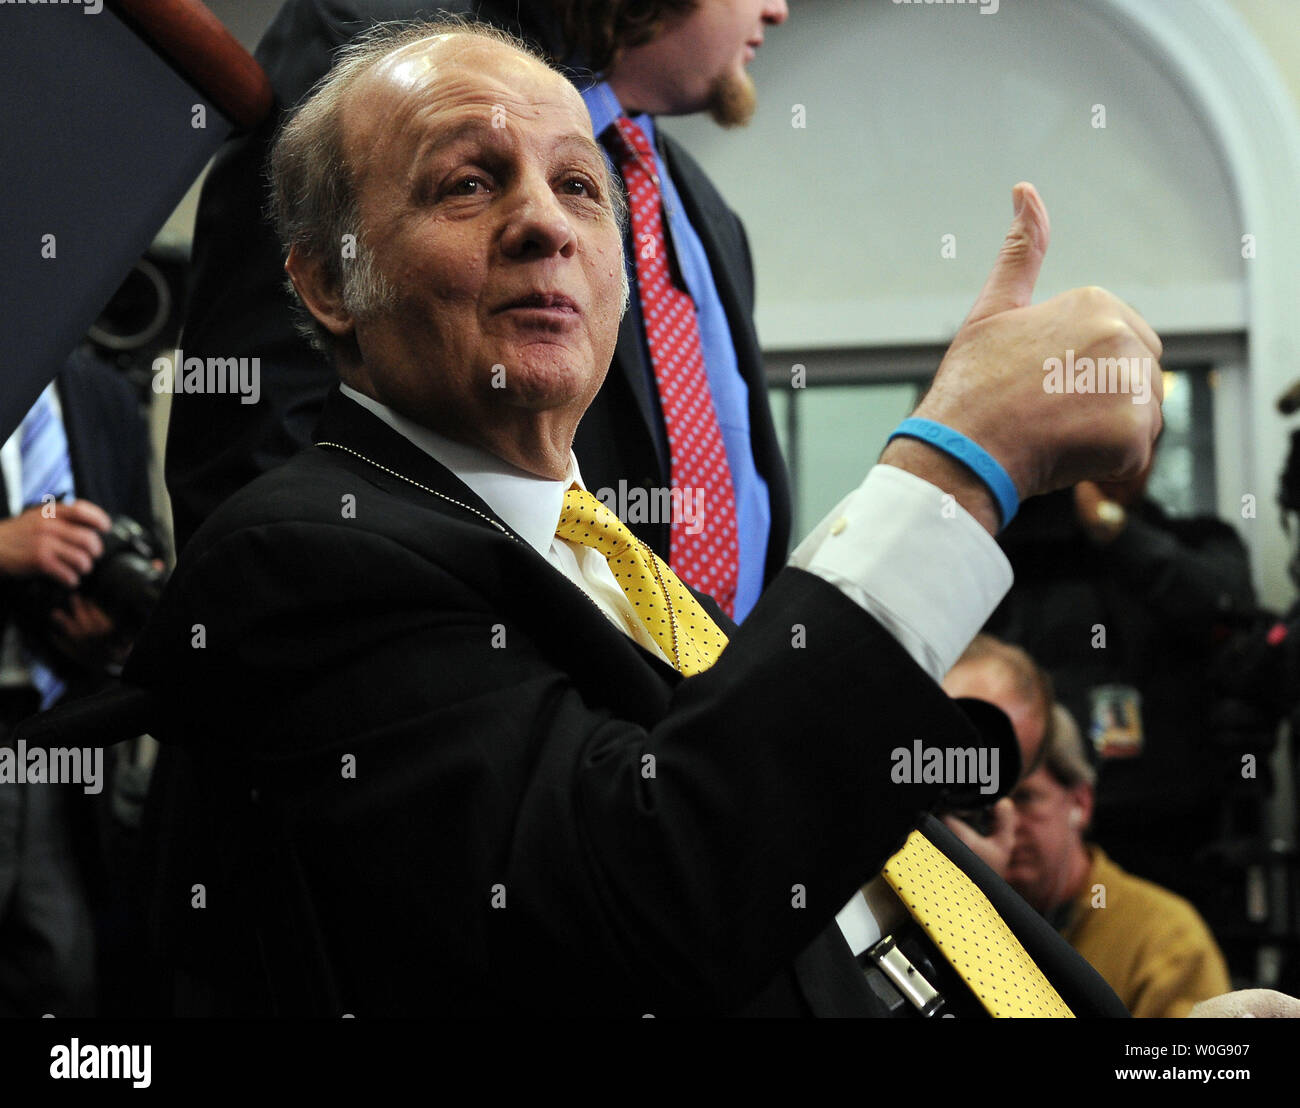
{"x":917,"y":561}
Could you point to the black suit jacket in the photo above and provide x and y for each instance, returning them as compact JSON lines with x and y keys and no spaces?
{"x":412,"y":769}
{"x":239,"y":307}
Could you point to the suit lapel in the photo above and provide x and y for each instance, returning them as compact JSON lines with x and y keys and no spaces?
{"x":498,"y":561}
{"x":632,"y":362}
{"x":79,"y":438}
{"x":1080,"y":986}
{"x":398,"y":465}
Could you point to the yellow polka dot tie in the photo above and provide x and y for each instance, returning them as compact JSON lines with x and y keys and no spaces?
{"x":958,"y":918}
{"x":684,"y":631}
{"x":969,"y":933}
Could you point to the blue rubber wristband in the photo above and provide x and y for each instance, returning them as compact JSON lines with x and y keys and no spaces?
{"x":973,"y":456}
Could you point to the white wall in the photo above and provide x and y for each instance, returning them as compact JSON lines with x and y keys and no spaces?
{"x":919,"y":121}
{"x":921,"y":117}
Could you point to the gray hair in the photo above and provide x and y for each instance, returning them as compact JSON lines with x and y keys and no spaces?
{"x":1064,"y":756}
{"x":314,"y":202}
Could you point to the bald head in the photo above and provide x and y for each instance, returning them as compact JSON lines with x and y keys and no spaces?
{"x":433,"y":71}
{"x":467,"y":81}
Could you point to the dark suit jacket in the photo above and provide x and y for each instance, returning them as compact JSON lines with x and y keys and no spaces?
{"x":238,"y":305}
{"x":412,"y":769}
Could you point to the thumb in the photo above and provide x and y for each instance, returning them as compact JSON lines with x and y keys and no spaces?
{"x":1011,"y":284}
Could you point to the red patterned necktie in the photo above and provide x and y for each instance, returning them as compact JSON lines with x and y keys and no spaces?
{"x":710,"y":559}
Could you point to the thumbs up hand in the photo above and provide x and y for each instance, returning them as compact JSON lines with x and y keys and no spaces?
{"x":1058,"y":392}
{"x":1011,"y":282}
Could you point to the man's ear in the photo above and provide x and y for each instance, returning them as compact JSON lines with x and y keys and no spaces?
{"x":1081,"y":796}
{"x":321,"y":294}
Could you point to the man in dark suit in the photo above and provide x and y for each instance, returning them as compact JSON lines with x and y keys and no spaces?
{"x":86,"y":440}
{"x":432,"y":746}
{"x":107,"y":443}
{"x":659,"y":57}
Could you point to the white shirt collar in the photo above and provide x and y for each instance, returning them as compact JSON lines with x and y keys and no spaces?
{"x":530,"y":505}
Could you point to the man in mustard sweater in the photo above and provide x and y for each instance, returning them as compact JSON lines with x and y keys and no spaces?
{"x":1151,"y":946}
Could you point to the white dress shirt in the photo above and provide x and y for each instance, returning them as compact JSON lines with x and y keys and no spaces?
{"x":897,"y":545}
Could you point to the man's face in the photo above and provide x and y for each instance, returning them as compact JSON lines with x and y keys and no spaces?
{"x":698,"y":61}
{"x":484,"y":201}
{"x":1046,"y":833}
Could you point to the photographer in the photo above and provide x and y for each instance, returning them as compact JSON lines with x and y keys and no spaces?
{"x":1126,"y":606}
{"x":76,"y":572}
{"x":1152,"y":947}
{"x":61,"y":542}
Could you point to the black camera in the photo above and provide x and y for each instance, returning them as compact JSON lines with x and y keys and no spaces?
{"x":124,"y":582}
